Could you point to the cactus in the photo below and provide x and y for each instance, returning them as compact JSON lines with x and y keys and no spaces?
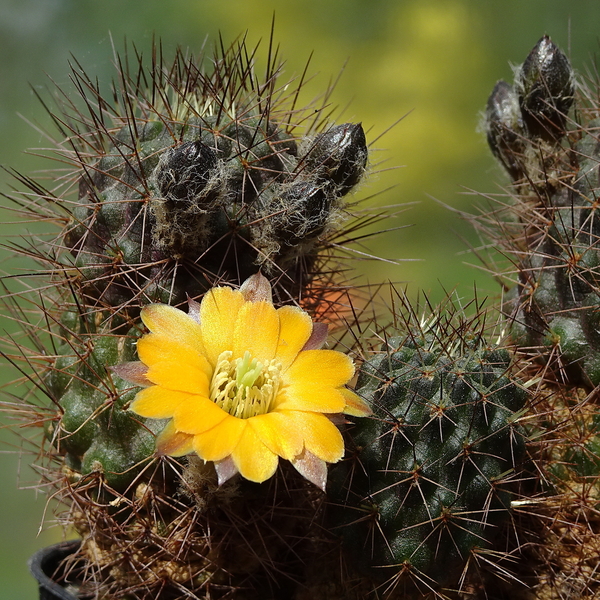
{"x":552,"y":236}
{"x":427,"y":486}
{"x":190,"y":178}
{"x":549,"y":234}
{"x":193,"y":178}
{"x":189,"y":192}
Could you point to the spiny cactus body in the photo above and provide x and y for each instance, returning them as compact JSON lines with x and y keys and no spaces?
{"x":96,"y":433}
{"x":189,"y":177}
{"x":552,"y":235}
{"x":425,"y":488}
{"x":548,"y":229}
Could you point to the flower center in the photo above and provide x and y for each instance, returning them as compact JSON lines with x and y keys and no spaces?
{"x":244,"y":387}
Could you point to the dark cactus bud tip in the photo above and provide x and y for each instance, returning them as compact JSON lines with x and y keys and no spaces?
{"x":313,"y":199}
{"x":302,"y":212}
{"x":341,"y":153}
{"x":546,"y":86}
{"x":503,"y":106}
{"x":183,"y":172}
{"x":504,"y":127}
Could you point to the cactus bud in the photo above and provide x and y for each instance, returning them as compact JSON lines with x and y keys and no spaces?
{"x":341,"y":154}
{"x":184,"y":171}
{"x":504,"y":127}
{"x":302,"y":212}
{"x":545,"y":86}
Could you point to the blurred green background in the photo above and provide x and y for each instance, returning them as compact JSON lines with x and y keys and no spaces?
{"x":434,"y":61}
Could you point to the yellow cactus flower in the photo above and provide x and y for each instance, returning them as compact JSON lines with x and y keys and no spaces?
{"x":243,"y":384}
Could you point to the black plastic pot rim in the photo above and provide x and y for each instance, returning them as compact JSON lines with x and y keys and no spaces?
{"x":45,"y":563}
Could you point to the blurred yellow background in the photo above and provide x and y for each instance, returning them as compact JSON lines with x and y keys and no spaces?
{"x":432,"y":61}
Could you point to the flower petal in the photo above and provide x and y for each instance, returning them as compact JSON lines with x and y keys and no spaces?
{"x":225,"y":470}
{"x":154,"y":349}
{"x":310,"y":396}
{"x":171,"y":442}
{"x":279,"y":434}
{"x":157,"y":403}
{"x":218,"y":314}
{"x":198,"y":414}
{"x":312,"y":468}
{"x":355,"y":405}
{"x":220,"y":441}
{"x":295,"y":330}
{"x":253,"y":459}
{"x":321,"y":436}
{"x":194,"y":310}
{"x":256,"y":331}
{"x":326,"y":367}
{"x":132,"y":372}
{"x":174,"y":323}
{"x":173,"y":376}
{"x":256,"y":288}
{"x":318,"y":337}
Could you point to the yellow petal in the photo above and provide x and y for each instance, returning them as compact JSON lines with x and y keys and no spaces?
{"x":220,"y":441}
{"x":310,"y":397}
{"x":174,"y":323}
{"x":256,"y":331}
{"x":173,"y":376}
{"x":355,"y":405}
{"x":321,"y":436}
{"x":179,"y":375}
{"x":295,"y":329}
{"x":197,"y":415}
{"x":279,"y":434}
{"x":218,"y":315}
{"x":253,"y":459}
{"x":171,"y":442}
{"x":327,"y":367}
{"x":157,"y":403}
{"x":156,"y":348}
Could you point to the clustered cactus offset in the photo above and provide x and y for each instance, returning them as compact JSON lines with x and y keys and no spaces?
{"x":428,"y":482}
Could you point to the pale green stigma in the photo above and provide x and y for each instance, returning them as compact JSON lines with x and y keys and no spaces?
{"x":244,"y":387}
